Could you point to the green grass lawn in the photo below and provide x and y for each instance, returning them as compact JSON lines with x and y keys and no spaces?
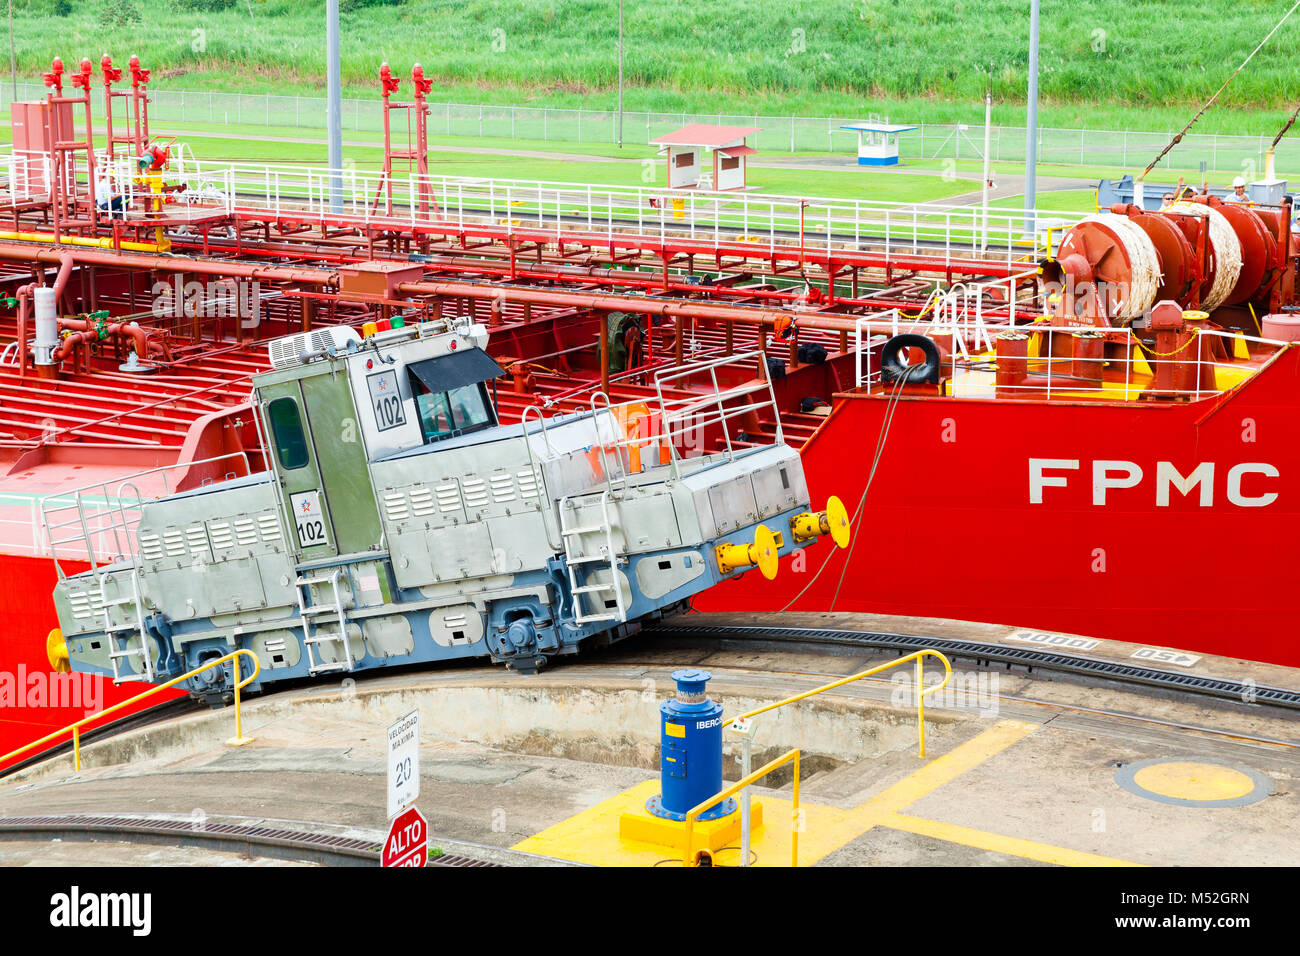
{"x":850,"y":183}
{"x":1104,"y":63}
{"x":473,"y":157}
{"x":1058,"y":200}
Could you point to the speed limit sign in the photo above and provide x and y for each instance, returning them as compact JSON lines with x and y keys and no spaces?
{"x":403,"y":763}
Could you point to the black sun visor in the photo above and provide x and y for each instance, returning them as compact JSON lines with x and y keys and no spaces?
{"x":448,"y":372}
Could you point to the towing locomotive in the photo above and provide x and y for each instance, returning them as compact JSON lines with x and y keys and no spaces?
{"x":398,"y":522}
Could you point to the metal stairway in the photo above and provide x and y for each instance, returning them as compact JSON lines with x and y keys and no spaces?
{"x":119,"y":636}
{"x":309,"y":612}
{"x":581,"y":565}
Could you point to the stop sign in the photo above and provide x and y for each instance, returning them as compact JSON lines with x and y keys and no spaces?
{"x":407,"y":843}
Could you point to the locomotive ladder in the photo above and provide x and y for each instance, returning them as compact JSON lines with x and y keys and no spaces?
{"x":123,"y":633}
{"x":578,"y":562}
{"x":309,"y":612}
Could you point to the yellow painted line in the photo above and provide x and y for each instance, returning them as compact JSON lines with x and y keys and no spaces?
{"x":947,"y":768}
{"x":1011,"y":846}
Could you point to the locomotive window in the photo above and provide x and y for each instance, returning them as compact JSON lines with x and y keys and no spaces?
{"x":455,"y":412}
{"x":286,"y":425}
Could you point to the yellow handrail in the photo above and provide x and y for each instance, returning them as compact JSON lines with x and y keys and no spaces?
{"x":920,"y":699}
{"x":792,"y":755}
{"x":237,"y":740}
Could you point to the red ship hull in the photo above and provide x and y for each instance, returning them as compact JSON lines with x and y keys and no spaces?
{"x":35,"y":701}
{"x":950,"y":528}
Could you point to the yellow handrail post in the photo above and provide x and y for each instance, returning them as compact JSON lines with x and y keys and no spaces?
{"x":917,"y":656}
{"x":239,"y":739}
{"x":798,"y":820}
{"x":920,"y":702}
{"x":76,"y":749}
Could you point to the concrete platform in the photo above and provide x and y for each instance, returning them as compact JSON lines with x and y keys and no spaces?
{"x":1019,"y":769}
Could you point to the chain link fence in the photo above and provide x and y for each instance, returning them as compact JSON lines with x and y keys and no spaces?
{"x":1127,"y":149}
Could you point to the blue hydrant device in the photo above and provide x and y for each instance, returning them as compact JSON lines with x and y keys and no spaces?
{"x":690,"y":756}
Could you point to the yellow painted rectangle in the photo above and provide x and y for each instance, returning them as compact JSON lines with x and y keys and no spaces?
{"x":675,"y":730}
{"x":617,"y":832}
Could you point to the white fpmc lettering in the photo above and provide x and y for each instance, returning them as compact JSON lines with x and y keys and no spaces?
{"x":1118,"y":475}
{"x":1038,"y":481}
{"x":1167,"y":474}
{"x":1234,"y":484}
{"x":1102,"y":480}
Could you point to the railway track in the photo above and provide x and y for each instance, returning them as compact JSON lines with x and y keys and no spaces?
{"x":248,"y":839}
{"x":285,"y":842}
{"x":983,"y":653}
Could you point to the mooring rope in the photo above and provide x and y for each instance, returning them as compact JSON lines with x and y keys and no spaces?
{"x":1210,"y":102}
{"x":1285,"y":126}
{"x":1227,"y":251}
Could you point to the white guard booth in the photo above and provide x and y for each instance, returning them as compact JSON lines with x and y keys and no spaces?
{"x":878,"y":142}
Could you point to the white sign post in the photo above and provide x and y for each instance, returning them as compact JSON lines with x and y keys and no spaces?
{"x":403,"y":763}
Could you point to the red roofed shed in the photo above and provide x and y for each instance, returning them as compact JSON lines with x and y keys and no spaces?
{"x":686,"y":147}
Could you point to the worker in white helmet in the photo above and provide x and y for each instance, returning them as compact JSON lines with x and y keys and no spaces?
{"x":1238,"y":193}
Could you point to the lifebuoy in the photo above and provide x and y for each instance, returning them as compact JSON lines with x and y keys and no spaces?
{"x":892,"y":368}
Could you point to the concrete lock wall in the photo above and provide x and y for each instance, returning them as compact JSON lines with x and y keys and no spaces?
{"x":611,"y":722}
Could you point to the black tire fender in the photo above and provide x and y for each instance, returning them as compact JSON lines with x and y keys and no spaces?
{"x":892,"y":369}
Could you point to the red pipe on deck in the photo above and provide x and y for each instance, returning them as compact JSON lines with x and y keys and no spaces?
{"x":27,"y":252}
{"x":85,"y":331}
{"x":66,"y":261}
{"x":614,"y":303}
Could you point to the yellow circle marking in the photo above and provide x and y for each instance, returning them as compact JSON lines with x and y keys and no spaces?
{"x":1194,"y":781}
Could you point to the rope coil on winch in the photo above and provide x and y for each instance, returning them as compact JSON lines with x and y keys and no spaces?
{"x":1144,"y":264}
{"x":1227,"y":251}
